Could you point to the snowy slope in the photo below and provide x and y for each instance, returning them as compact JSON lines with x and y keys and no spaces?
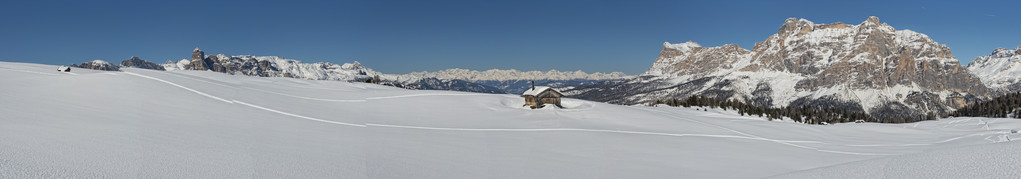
{"x":986,"y":161}
{"x":199,"y":124}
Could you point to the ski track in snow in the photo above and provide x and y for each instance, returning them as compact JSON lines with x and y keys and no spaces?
{"x":749,"y":137}
{"x":298,"y":116}
{"x":309,"y":98}
{"x":198,"y":79}
{"x":182,"y":87}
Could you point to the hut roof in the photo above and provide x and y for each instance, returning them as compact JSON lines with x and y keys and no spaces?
{"x":536,"y":91}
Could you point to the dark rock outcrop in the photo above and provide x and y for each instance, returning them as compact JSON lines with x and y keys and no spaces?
{"x":199,"y":61}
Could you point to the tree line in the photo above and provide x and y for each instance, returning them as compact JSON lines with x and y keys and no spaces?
{"x":803,"y":114}
{"x":1001,"y":106}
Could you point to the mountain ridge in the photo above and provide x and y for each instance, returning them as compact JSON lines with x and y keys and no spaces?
{"x":1000,"y":70}
{"x":868,"y":67}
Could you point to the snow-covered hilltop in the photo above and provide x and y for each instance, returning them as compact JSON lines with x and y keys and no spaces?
{"x":1000,"y":70}
{"x":505,"y":75}
{"x":868,"y":67}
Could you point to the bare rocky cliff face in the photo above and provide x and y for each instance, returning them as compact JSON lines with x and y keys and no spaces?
{"x":870,"y":67}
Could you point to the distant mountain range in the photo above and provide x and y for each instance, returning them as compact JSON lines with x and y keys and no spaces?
{"x":489,"y":81}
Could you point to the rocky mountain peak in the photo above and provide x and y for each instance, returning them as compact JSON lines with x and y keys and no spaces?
{"x":1000,"y":70}
{"x":795,"y":26}
{"x":353,"y":66}
{"x":135,"y":62}
{"x":97,"y":65}
{"x":197,"y":54}
{"x":872,"y":19}
{"x":1004,"y":52}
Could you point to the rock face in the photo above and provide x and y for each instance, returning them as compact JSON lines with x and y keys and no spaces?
{"x":867,"y":67}
{"x":1000,"y":70}
{"x":98,"y":65}
{"x":136,"y":62}
{"x":199,"y":61}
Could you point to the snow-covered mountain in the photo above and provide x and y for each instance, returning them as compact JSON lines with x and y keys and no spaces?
{"x":1001,"y":70}
{"x":451,"y":79}
{"x":868,"y":67}
{"x":272,"y":66}
{"x":514,"y":81}
{"x":140,"y":123}
{"x":509,"y":75}
{"x":135,"y":62}
{"x":520,"y":86}
{"x":97,"y":65}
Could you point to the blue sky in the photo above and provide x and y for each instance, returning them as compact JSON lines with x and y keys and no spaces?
{"x":406,"y":36}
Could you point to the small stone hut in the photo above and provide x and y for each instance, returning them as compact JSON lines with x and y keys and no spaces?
{"x":64,"y":69}
{"x":539,"y":96}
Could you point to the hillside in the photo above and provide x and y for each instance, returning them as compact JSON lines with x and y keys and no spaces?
{"x":140,"y":123}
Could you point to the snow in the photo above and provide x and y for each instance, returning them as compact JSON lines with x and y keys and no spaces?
{"x":199,"y":124}
{"x":999,"y":69}
{"x":1000,"y":160}
{"x":535,"y":91}
{"x":683,"y":47}
{"x":101,"y":62}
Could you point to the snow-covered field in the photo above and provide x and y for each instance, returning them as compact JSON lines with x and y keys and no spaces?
{"x":192,"y":124}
